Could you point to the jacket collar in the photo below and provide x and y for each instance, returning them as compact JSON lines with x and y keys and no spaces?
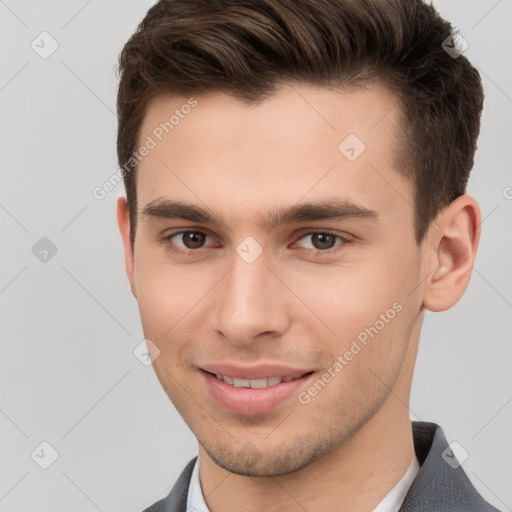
{"x":441,"y":484}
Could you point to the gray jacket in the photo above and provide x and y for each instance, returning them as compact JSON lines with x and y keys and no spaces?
{"x":439,"y":486}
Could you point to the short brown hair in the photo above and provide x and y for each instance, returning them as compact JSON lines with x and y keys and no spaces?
{"x":247,"y":48}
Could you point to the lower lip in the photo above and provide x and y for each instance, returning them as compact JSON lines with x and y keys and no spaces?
{"x":250,"y":401}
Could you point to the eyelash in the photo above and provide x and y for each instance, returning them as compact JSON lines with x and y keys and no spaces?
{"x":167,"y":240}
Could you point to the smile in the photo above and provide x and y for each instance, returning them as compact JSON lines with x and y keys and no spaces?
{"x":258,"y":395}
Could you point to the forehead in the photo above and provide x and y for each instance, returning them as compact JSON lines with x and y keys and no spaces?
{"x":293,"y":114}
{"x":299,"y":144}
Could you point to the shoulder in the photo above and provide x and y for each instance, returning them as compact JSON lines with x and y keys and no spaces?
{"x":176,"y":500}
{"x":441,"y":484}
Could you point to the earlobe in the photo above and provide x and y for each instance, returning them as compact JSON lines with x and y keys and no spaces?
{"x":123,"y":221}
{"x":452,"y":243}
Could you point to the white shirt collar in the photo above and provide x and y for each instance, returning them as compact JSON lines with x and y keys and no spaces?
{"x":195,"y":500}
{"x":391,"y":502}
{"x":395,"y":497}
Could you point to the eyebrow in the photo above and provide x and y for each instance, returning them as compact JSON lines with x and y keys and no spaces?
{"x":330,"y":209}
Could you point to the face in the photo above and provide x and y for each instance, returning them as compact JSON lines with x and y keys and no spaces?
{"x":276,"y":269}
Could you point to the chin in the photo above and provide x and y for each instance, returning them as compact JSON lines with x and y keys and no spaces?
{"x":249,"y":460}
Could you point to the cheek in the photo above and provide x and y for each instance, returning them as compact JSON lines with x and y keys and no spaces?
{"x":350,"y":298}
{"x":172,"y":301}
{"x":366,"y":352}
{"x":362,"y":304}
{"x":162,"y":295}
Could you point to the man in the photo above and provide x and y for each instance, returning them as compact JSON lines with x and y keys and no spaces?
{"x":295,"y":175}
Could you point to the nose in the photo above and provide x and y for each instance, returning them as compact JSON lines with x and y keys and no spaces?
{"x":250,"y":303}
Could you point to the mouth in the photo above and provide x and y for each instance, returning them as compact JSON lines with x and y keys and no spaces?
{"x":252,"y":396}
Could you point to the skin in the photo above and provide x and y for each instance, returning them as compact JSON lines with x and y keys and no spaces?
{"x":352,"y":442}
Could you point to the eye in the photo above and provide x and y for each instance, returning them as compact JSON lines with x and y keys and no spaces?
{"x":182,"y":241}
{"x":323,"y":241}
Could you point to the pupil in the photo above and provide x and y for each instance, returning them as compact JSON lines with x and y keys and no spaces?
{"x":323,"y":240}
{"x":193,"y":240}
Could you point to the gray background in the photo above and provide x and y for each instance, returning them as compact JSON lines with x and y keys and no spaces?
{"x":70,"y":325}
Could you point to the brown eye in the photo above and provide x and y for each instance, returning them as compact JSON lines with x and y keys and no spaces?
{"x":323,"y":241}
{"x":320,"y":242}
{"x":193,"y":239}
{"x":184,"y":241}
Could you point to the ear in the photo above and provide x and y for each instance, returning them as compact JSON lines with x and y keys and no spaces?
{"x":451,"y":245}
{"x":123,"y":221}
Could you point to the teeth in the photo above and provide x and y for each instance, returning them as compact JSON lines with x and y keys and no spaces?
{"x":254,"y":383}
{"x":259,"y":383}
{"x":242,"y":383}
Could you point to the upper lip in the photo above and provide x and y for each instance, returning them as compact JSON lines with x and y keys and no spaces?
{"x":259,"y":371}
